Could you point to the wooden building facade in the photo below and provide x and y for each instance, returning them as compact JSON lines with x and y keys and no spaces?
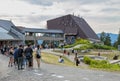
{"x":73,"y":27}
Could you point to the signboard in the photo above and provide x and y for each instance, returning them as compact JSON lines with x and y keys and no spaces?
{"x":119,"y":47}
{"x":40,"y":42}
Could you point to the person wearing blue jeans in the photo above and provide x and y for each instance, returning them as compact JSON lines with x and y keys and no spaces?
{"x":15,"y":56}
{"x":61,"y":60}
{"x":20,"y":63}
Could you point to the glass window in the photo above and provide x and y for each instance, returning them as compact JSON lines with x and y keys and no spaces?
{"x":3,"y":30}
{"x":52,"y":35}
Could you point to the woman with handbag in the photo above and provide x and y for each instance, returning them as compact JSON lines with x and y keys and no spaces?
{"x":38,"y":55}
{"x":11,"y":60}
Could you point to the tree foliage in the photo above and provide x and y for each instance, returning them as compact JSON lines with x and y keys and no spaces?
{"x":116,"y":43}
{"x":102,"y":36}
{"x":118,"y":39}
{"x":105,"y":38}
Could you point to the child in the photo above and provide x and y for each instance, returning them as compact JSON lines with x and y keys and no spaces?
{"x":60,"y":60}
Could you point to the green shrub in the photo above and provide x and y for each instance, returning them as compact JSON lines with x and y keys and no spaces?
{"x":101,"y":64}
{"x":87,"y":60}
{"x":82,"y":41}
{"x":115,"y":67}
{"x":99,"y":46}
{"x":78,"y":41}
{"x":76,"y":49}
{"x":84,"y":47}
{"x":87,"y":45}
{"x":94,"y":62}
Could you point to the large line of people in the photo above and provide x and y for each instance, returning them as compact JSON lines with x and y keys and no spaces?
{"x":22,"y":57}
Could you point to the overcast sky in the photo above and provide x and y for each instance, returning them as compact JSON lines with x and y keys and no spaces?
{"x":101,"y":15}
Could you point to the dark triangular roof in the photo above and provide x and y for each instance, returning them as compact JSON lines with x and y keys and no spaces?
{"x":71,"y":24}
{"x":84,"y":26}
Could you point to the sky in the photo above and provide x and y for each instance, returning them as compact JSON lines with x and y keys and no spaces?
{"x":101,"y":15}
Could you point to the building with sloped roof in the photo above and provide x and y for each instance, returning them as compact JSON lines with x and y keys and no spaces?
{"x":11,"y":28}
{"x":66,"y":28}
{"x":11,"y":34}
{"x":73,"y":27}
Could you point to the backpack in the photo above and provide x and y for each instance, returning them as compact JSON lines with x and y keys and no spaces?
{"x":28,"y":55}
{"x":20,"y":52}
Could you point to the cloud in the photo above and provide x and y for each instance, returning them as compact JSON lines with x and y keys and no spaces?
{"x":29,"y":21}
{"x":111,"y":9}
{"x":92,"y":1}
{"x":40,"y":2}
{"x":35,"y":13}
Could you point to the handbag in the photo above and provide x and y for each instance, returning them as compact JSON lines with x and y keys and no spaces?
{"x":38,"y":56}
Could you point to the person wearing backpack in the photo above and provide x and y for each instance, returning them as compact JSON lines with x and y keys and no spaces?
{"x":29,"y":57}
{"x":20,"y":57}
{"x":38,"y":55}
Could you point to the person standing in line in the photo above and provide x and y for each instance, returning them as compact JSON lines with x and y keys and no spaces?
{"x":15,"y":56}
{"x":20,"y":57}
{"x":29,"y":57}
{"x":38,"y":55}
{"x":11,"y":51}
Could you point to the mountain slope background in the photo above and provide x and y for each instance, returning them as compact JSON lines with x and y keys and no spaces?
{"x":112,"y":36}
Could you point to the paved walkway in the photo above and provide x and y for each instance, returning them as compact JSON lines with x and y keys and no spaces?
{"x":3,"y":66}
{"x":49,"y":72}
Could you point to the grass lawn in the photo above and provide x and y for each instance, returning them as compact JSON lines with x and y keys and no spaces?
{"x":106,"y":67}
{"x":53,"y":59}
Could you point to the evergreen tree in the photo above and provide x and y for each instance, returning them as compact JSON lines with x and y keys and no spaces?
{"x":118,"y":39}
{"x":107,"y":40}
{"x":103,"y":36}
{"x":115,"y":44}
